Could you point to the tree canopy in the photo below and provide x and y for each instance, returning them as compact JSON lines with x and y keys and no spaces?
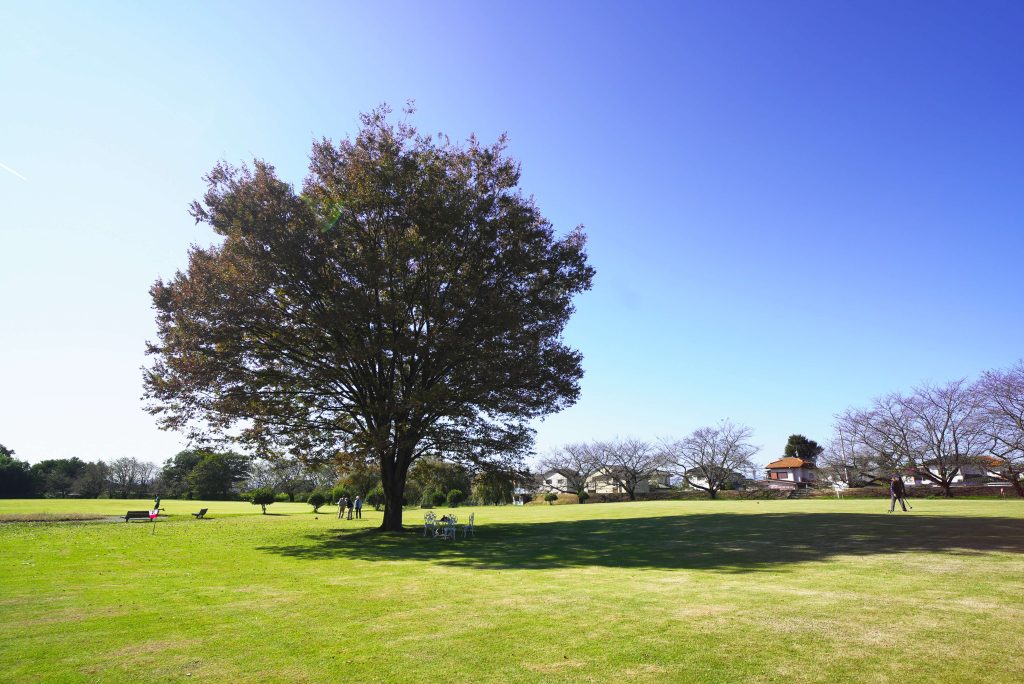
{"x":798,"y":446}
{"x":713,"y":457}
{"x":410,"y":299}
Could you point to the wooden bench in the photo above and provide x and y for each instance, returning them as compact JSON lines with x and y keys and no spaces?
{"x":136,"y":515}
{"x":201,"y":513}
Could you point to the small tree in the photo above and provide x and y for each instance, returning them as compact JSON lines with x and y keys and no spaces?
{"x":455,"y":497}
{"x":551,"y":498}
{"x":263,"y":496}
{"x":316,"y":500}
{"x":376,"y":497}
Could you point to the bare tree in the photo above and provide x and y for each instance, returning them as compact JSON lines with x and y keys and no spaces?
{"x":1000,"y":397}
{"x":855,"y":456}
{"x":933,"y":431}
{"x":711,"y":457}
{"x":577,"y":462}
{"x":629,"y":463}
{"x":129,"y":477}
{"x":945,"y":425}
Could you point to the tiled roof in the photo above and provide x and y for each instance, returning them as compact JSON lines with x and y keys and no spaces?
{"x":790,"y":462}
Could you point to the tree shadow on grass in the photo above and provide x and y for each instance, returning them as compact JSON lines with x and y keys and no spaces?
{"x":723,"y":541}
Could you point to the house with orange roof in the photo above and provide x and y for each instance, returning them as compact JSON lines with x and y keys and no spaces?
{"x":790,"y":473}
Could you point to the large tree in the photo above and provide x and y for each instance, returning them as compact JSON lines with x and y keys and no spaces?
{"x":173,"y":483}
{"x":932,"y":432}
{"x":1000,"y":396}
{"x":852,"y":457}
{"x":217,"y":476}
{"x":130,"y":477}
{"x":711,"y":458}
{"x":56,"y":476}
{"x":408,"y":300}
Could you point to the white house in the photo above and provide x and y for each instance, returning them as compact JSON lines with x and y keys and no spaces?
{"x":733,"y":479}
{"x":604,"y":482}
{"x":790,"y":473}
{"x":987,"y":468}
{"x":553,"y":481}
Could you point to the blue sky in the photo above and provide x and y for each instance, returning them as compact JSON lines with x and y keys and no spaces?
{"x":792,"y":207}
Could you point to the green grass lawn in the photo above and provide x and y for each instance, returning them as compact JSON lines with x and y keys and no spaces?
{"x":731,"y":591}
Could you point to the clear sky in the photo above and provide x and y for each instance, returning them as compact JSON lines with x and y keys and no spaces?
{"x":792,"y":206}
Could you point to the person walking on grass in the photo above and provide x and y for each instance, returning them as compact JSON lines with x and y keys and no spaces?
{"x":897,"y":492}
{"x":341,"y":507}
{"x":359,"y":508}
{"x":351,"y":505}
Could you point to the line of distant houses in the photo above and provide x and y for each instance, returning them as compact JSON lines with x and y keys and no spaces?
{"x":785,"y":473}
{"x":799,"y":473}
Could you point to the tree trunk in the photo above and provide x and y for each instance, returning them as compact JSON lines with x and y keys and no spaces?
{"x":712,"y":494}
{"x":264,"y":507}
{"x":946,"y":491}
{"x":393,"y":481}
{"x":1017,"y":485}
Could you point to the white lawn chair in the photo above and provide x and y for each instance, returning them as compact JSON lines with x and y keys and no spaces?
{"x":467,"y":529}
{"x":429,"y":524}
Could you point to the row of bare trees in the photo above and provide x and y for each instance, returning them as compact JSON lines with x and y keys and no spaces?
{"x":709,"y":459}
{"x":934,"y":432}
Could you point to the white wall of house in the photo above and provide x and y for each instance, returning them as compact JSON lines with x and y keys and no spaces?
{"x":792,"y":474}
{"x":966,"y":472}
{"x":602,"y":483}
{"x":553,"y":481}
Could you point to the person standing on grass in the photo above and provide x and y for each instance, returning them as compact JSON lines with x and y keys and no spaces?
{"x":351,"y":505}
{"x":359,"y":508}
{"x":898,"y":493}
{"x":341,"y":507}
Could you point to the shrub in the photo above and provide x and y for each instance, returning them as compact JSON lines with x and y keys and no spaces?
{"x":316,"y":499}
{"x":455,"y":497}
{"x":281,"y":496}
{"x":551,"y":498}
{"x":263,"y":496}
{"x":582,"y":496}
{"x":375,"y":497}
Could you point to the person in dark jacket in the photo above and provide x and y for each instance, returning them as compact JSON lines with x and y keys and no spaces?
{"x":897,"y":492}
